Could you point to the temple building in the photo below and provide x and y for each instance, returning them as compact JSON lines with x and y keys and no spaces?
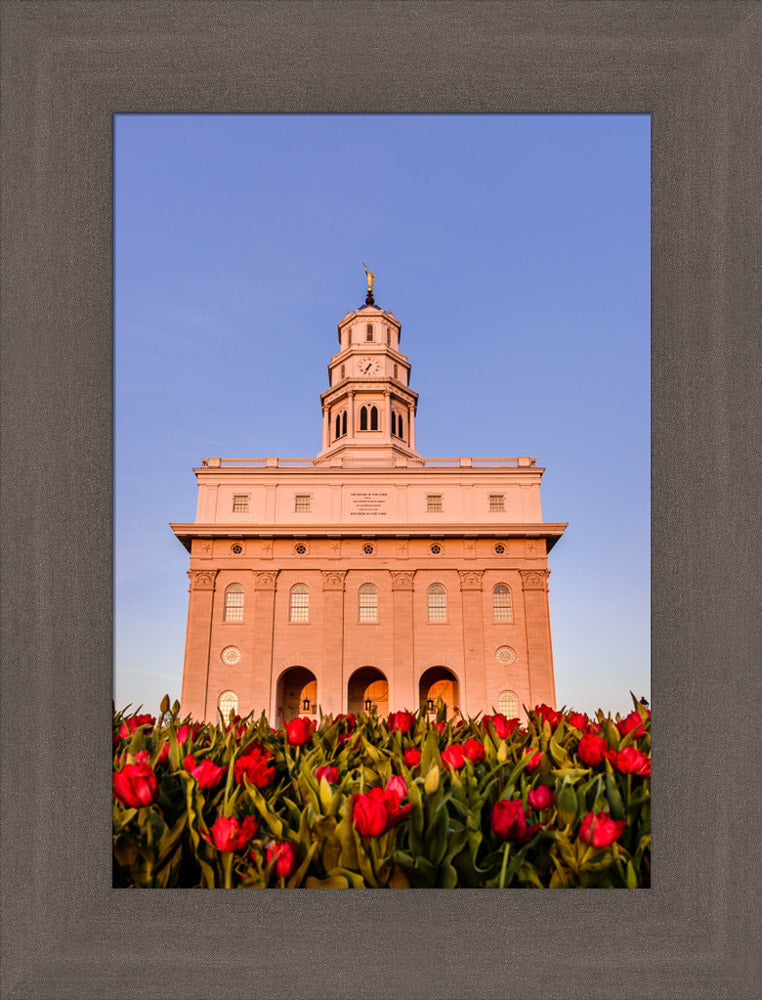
{"x":367,"y":575}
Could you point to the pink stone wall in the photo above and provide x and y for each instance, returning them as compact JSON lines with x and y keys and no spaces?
{"x":334,"y":643}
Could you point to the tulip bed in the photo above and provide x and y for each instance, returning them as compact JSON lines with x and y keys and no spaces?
{"x":560,"y":801}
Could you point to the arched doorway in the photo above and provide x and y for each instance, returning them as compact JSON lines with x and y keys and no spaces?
{"x":439,"y":682}
{"x":296,"y":687}
{"x":368,"y":682}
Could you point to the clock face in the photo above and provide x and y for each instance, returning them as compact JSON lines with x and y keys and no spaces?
{"x":369,"y":366}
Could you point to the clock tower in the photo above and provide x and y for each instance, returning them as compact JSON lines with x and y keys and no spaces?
{"x":369,"y":407}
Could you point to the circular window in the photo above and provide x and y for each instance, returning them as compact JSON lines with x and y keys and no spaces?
{"x":500,"y":548}
{"x":237,"y":549}
{"x":436,"y":549}
{"x":301,"y":549}
{"x":368,"y":550}
{"x":505,"y":654}
{"x":230,"y":655}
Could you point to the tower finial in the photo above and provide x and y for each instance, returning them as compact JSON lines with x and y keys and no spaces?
{"x":370,"y":277}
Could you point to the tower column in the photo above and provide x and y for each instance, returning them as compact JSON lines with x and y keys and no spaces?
{"x":388,"y":411}
{"x":197,"y":644}
{"x":350,"y":414}
{"x":411,"y":426}
{"x":326,"y":422}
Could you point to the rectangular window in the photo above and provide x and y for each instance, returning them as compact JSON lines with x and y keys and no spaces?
{"x":496,"y":501}
{"x":300,"y":607}
{"x":368,"y":605}
{"x":433,"y":502}
{"x":369,"y":332}
{"x":301,"y":503}
{"x":240,"y":502}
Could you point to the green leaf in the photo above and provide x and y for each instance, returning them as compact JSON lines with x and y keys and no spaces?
{"x":296,"y":878}
{"x":612,"y":793}
{"x":566,"y":803}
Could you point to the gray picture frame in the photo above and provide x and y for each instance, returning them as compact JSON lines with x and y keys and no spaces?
{"x":67,"y":68}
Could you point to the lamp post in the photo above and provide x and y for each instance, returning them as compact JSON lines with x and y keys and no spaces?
{"x":368,"y":705}
{"x":306,"y":707}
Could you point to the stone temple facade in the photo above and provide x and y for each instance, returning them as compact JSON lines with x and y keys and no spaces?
{"x":367,"y":575}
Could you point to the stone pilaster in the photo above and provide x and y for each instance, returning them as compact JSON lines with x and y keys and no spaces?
{"x":405,"y":693}
{"x":263,"y":624}
{"x":332,"y":688}
{"x":474,"y":696}
{"x":197,"y":644}
{"x":534,"y":586}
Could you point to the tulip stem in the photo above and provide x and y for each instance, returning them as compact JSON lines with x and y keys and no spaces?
{"x":506,"y":852}
{"x":227,"y":869}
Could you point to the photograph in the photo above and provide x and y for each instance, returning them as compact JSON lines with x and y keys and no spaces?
{"x":382,"y":501}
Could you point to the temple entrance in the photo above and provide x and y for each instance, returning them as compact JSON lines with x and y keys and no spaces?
{"x":368,"y":684}
{"x":439,"y":682}
{"x":297,"y":694}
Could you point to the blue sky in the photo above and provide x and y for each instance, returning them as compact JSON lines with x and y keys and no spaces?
{"x":514,"y":249}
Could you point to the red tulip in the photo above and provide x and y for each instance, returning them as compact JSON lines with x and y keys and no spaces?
{"x":207,"y":774}
{"x":400,"y":720}
{"x":228,"y":834}
{"x":473,"y":749}
{"x":535,"y":758}
{"x":452,"y":755}
{"x":541,"y":797}
{"x":397,"y":784}
{"x":253,"y":767}
{"x":632,"y":721}
{"x":578,"y":719}
{"x":630,"y":760}
{"x":378,"y":811}
{"x":439,"y":725}
{"x":284,"y":854}
{"x":369,"y":815}
{"x":135,"y":785}
{"x":413,"y":757}
{"x":548,"y":714}
{"x":298,"y":731}
{"x":129,"y":726}
{"x":331,"y":774}
{"x":600,"y":830}
{"x":591,"y":749}
{"x":503,"y":727}
{"x":509,"y":820}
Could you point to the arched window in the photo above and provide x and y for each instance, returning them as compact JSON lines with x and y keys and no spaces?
{"x":394,"y":424}
{"x":228,"y":702}
{"x":344,"y":422}
{"x":338,"y":425}
{"x":299,"y":608}
{"x":437,"y":603}
{"x":508,"y":704}
{"x":368,"y":603}
{"x":501,"y":603}
{"x":400,"y":426}
{"x":373,"y":418}
{"x":363,"y":418}
{"x":233,"y":611}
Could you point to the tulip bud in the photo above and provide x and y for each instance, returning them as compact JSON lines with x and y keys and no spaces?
{"x":431,"y":783}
